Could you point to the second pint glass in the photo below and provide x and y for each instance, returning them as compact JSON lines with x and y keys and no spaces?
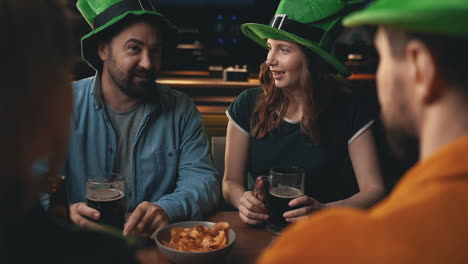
{"x":286,"y":184}
{"x":107,"y":195}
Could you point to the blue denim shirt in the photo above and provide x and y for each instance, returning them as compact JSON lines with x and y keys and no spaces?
{"x":171,"y":166}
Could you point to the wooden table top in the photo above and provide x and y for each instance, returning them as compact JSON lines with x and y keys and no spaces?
{"x":250,"y":241}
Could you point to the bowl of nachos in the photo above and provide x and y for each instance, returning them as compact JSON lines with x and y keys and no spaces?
{"x":195,"y":241}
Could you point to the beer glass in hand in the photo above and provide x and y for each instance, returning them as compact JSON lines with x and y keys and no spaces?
{"x":286,"y":184}
{"x":107,"y":195}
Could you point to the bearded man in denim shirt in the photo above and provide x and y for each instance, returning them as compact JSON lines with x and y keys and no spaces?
{"x":125,"y":122}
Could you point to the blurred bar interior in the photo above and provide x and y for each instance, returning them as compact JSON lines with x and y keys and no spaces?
{"x":210,"y":41}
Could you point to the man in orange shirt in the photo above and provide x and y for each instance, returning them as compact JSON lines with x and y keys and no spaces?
{"x":423,"y":91}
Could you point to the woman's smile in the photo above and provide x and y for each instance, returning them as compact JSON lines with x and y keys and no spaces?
{"x":278,"y":75}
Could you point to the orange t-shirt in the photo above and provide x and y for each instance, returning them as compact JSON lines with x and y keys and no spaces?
{"x":424,"y":220}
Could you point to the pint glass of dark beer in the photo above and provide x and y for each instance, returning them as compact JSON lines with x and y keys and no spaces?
{"x":107,"y":195}
{"x":286,"y":184}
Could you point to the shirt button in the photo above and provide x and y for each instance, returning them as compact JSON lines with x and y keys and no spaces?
{"x":110,"y":150}
{"x":170,"y":154}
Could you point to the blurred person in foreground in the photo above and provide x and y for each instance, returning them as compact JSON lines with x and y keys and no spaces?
{"x":301,"y":116}
{"x":36,"y":106}
{"x":124,"y":122}
{"x":423,"y":92}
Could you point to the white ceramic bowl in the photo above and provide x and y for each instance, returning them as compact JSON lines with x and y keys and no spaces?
{"x":181,"y":257}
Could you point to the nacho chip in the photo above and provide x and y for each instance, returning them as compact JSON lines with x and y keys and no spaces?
{"x":199,"y":238}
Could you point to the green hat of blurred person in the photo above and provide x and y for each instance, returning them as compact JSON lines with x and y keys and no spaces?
{"x":102,"y":15}
{"x":441,"y":17}
{"x":314,"y":24}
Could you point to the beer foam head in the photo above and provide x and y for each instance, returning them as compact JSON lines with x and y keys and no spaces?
{"x":104,"y":194}
{"x":286,"y":192}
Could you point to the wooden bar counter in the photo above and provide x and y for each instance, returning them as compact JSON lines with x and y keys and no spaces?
{"x":214,"y":95}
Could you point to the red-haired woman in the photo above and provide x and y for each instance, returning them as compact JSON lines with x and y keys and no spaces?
{"x":300,"y":117}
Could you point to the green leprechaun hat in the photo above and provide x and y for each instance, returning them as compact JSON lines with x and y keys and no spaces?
{"x":441,"y":17}
{"x":104,"y":14}
{"x":314,"y":24}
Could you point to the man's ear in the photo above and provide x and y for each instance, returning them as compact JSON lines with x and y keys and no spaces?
{"x":423,"y":72}
{"x":103,"y":50}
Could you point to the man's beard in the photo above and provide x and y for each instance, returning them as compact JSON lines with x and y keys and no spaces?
{"x":399,"y":123}
{"x":403,"y":144}
{"x":125,"y":81}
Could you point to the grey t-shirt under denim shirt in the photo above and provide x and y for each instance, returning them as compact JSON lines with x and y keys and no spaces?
{"x":126,"y":125}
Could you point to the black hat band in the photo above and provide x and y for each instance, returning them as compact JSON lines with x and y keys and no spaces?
{"x":120,"y":8}
{"x":282,"y":22}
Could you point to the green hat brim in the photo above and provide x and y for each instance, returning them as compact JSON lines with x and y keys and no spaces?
{"x":89,"y":41}
{"x":259,"y":33}
{"x":431,"y":19}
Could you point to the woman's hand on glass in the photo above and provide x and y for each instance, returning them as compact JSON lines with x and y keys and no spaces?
{"x":252,"y":210}
{"x":308,"y":205}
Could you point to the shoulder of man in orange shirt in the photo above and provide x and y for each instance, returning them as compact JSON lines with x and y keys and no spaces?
{"x":422,"y":221}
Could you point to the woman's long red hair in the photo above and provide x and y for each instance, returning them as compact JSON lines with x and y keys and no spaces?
{"x":273,"y":103}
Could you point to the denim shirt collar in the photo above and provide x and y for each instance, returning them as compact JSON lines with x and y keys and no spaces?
{"x":96,"y":91}
{"x":156,"y":101}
